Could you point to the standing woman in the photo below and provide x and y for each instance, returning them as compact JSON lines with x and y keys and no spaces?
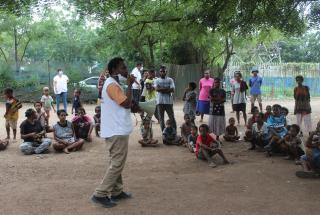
{"x":302,"y":107}
{"x":217,"y":119}
{"x":205,"y":85}
{"x":239,"y":89}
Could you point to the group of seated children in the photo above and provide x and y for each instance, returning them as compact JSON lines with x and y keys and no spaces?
{"x":68,"y":136}
{"x":205,"y":145}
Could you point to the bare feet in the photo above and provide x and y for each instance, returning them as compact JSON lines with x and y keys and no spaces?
{"x":66,"y":150}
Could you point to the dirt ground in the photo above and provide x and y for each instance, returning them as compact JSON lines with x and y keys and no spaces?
{"x":163,"y":180}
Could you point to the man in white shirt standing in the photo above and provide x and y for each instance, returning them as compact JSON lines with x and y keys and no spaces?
{"x":60,"y":86}
{"x":136,"y":87}
{"x":116,"y":126}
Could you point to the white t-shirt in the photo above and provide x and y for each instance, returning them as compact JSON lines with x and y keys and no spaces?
{"x":137,"y":74}
{"x":60,"y":84}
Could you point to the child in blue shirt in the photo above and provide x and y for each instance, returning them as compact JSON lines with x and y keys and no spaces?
{"x":277,"y":129}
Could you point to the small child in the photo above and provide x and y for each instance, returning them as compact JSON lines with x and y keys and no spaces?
{"x":192,"y":139}
{"x":231,"y":134}
{"x":147,"y":133}
{"x":76,"y":103}
{"x":259,"y":132}
{"x":292,"y":144}
{"x":4,"y":144}
{"x":268,"y":112}
{"x":277,"y":128}
{"x":207,"y":146}
{"x":285,"y":113}
{"x":41,"y":115}
{"x":186,"y":128}
{"x":190,"y":101}
{"x":47,"y":103}
{"x":248,"y":134}
{"x":311,"y":160}
{"x":170,"y":136}
{"x":12,"y":112}
{"x":97,"y":120}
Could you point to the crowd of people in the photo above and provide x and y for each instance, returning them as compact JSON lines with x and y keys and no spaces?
{"x":119,"y":93}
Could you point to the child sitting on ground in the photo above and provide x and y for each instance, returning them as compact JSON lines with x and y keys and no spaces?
{"x":277,"y":129}
{"x":147,"y":133}
{"x":4,"y":144}
{"x":186,"y":128}
{"x":83,"y":125}
{"x":76,"y":103}
{"x":207,"y":146}
{"x":12,"y":112}
{"x":311,"y":160}
{"x":47,"y":103}
{"x":192,"y":139}
{"x":170,"y":136}
{"x":64,"y":135}
{"x":259,"y":133}
{"x":231,"y":134}
{"x":248,"y":134}
{"x":292,"y":144}
{"x":97,"y":120}
{"x":267,"y":113}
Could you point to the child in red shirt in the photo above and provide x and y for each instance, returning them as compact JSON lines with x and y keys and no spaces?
{"x":207,"y":146}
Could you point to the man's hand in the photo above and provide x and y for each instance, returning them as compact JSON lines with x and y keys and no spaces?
{"x":130,"y":80}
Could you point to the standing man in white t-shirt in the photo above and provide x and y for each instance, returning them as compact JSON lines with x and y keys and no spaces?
{"x":60,"y":86}
{"x":116,"y":126}
{"x":136,"y":87}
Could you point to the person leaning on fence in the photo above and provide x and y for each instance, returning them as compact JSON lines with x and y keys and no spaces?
{"x":302,"y":107}
{"x":33,"y":135}
{"x":255,"y":83}
{"x":165,"y":88}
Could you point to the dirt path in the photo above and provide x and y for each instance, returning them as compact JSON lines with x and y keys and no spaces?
{"x":165,"y":180}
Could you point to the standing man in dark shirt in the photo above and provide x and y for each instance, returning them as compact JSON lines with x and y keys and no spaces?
{"x":33,"y":134}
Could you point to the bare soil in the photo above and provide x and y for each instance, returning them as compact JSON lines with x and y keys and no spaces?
{"x":164,"y":180}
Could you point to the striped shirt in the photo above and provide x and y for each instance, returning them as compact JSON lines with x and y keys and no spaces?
{"x":164,"y":98}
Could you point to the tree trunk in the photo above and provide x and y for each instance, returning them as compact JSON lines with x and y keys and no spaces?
{"x":150,"y":45}
{"x":16,"y":49}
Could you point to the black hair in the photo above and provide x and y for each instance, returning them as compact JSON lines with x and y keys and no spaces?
{"x":8,"y":91}
{"x":194,"y":126}
{"x":139,"y":64}
{"x":205,"y":126}
{"x":254,"y":70}
{"x":254,"y":108}
{"x":261,"y":114}
{"x":151,"y":70}
{"x":217,"y":79}
{"x":232,"y":118}
{"x":163,"y":68}
{"x":239,"y":73}
{"x":58,"y":70}
{"x":276,"y":106}
{"x":29,"y":112}
{"x":37,"y":102}
{"x":114,"y":63}
{"x":81,"y":109}
{"x":296,"y":127}
{"x":299,"y":77}
{"x":186,"y":115}
{"x":193,"y":85}
{"x":59,"y":112}
{"x":98,"y":107}
{"x":78,"y":90}
{"x":168,"y":121}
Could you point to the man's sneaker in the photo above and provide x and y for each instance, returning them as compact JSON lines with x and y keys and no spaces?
{"x":121,"y":196}
{"x":105,"y":202}
{"x":212,"y":165}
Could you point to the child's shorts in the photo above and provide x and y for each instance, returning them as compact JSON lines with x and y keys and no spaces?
{"x":11,"y":123}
